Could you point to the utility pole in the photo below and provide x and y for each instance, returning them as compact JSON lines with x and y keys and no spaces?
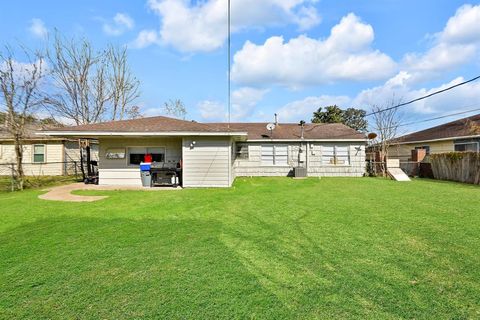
{"x":229,"y":67}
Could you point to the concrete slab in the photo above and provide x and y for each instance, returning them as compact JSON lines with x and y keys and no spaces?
{"x":63,"y":193}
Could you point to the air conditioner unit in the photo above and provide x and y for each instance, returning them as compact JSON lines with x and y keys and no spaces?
{"x":299,"y":172}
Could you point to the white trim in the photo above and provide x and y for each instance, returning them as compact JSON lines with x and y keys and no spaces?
{"x":139,"y":134}
{"x":433,"y":140}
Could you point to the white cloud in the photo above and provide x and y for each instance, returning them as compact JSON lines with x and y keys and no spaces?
{"x":202,"y":27}
{"x":458,"y":43}
{"x":345,"y":55}
{"x":121,"y":23}
{"x":303,"y":109}
{"x":37,"y":28}
{"x":244,"y":102}
{"x":212,"y":110}
{"x":145,"y":38}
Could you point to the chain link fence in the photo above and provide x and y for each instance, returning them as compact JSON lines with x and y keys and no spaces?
{"x":39,"y":174}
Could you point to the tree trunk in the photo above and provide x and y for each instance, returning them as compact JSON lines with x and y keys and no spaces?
{"x":19,"y":176}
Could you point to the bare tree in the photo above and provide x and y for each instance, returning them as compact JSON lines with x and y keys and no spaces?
{"x":20,"y":90}
{"x":90,"y":86}
{"x":125,"y":87}
{"x":175,"y":108}
{"x":386,"y":124}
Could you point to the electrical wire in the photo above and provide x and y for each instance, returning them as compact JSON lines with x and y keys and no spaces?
{"x":424,"y":97}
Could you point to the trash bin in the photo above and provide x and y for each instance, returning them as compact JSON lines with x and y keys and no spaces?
{"x":145,"y":174}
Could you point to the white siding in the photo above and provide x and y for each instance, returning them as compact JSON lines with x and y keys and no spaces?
{"x":207,"y":163}
{"x":119,"y":172}
{"x":310,"y":157}
{"x":54,"y":157}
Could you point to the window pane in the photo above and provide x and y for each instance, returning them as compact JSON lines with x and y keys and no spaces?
{"x":328,"y":154}
{"x":281,"y":155}
{"x":39,"y":148}
{"x":157,"y":153}
{"x":38,"y":158}
{"x":466,"y":147}
{"x":158,"y":157}
{"x":267,"y":154}
{"x":136,"y":158}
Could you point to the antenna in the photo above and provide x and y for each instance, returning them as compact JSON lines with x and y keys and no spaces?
{"x":229,"y":66}
{"x":271,"y":127}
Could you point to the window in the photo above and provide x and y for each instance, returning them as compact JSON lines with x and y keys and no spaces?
{"x":241,"y":151}
{"x":335,"y":155}
{"x":467,"y":146}
{"x":274,"y":155}
{"x":137,"y":154}
{"x":38,"y":153}
{"x":427,"y":149}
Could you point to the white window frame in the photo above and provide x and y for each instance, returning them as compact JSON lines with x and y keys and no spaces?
{"x":335,"y":156}
{"x":471,"y":142}
{"x":146,"y":150}
{"x":44,"y":153}
{"x":275,"y":162}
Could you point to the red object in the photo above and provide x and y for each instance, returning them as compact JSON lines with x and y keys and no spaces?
{"x":147,"y":158}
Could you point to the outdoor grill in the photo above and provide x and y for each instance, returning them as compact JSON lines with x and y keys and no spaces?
{"x":164,"y":176}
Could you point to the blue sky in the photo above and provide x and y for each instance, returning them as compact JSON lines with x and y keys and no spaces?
{"x":289,"y":56}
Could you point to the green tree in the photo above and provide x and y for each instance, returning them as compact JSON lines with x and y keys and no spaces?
{"x":354,"y":118}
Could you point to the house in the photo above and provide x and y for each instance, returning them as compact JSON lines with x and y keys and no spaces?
{"x":458,"y":135}
{"x":42,"y":155}
{"x":213,"y":154}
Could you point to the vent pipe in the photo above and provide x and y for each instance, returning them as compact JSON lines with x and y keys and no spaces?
{"x":276,"y":119}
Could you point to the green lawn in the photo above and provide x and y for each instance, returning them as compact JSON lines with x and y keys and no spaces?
{"x":268,"y":248}
{"x":37,"y":182}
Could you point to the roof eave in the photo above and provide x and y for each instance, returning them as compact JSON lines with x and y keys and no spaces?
{"x":439,"y":139}
{"x":137,"y":134}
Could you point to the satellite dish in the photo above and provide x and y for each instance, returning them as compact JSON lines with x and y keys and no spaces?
{"x":372,"y":136}
{"x":270,"y":126}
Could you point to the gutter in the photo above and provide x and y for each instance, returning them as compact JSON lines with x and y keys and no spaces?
{"x":136,"y":134}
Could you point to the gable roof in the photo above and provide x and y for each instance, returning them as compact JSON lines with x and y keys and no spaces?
{"x":466,"y":127}
{"x":30,"y":133}
{"x":253,"y":131}
{"x":293,"y":131}
{"x":150,"y":124}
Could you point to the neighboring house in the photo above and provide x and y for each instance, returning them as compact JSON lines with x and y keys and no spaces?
{"x":212,"y":155}
{"x":459,"y":135}
{"x":42,"y":155}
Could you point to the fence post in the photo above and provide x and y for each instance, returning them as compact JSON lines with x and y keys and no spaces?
{"x":12,"y":176}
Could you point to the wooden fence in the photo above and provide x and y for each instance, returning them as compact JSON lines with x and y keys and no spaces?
{"x":456,"y":166}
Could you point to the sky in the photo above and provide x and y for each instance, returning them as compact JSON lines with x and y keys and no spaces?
{"x":288,"y":56}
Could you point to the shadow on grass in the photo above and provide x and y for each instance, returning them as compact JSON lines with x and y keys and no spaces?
{"x":121,"y":268}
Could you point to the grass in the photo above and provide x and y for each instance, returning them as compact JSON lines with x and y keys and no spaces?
{"x":268,"y":248}
{"x":36,"y":182}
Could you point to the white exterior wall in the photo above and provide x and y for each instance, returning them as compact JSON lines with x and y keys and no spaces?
{"x":119,"y":172}
{"x":312,"y":159}
{"x":208,"y":163}
{"x":54,"y":158}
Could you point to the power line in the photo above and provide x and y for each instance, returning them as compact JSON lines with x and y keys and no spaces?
{"x":440,"y":117}
{"x":436,"y":118}
{"x":424,"y":97}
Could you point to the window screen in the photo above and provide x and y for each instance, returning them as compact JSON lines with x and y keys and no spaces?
{"x":274,"y":155}
{"x":38,"y":153}
{"x":472,"y":146}
{"x":267,"y":155}
{"x":335,"y":155}
{"x":158,"y":154}
{"x":241,"y":151}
